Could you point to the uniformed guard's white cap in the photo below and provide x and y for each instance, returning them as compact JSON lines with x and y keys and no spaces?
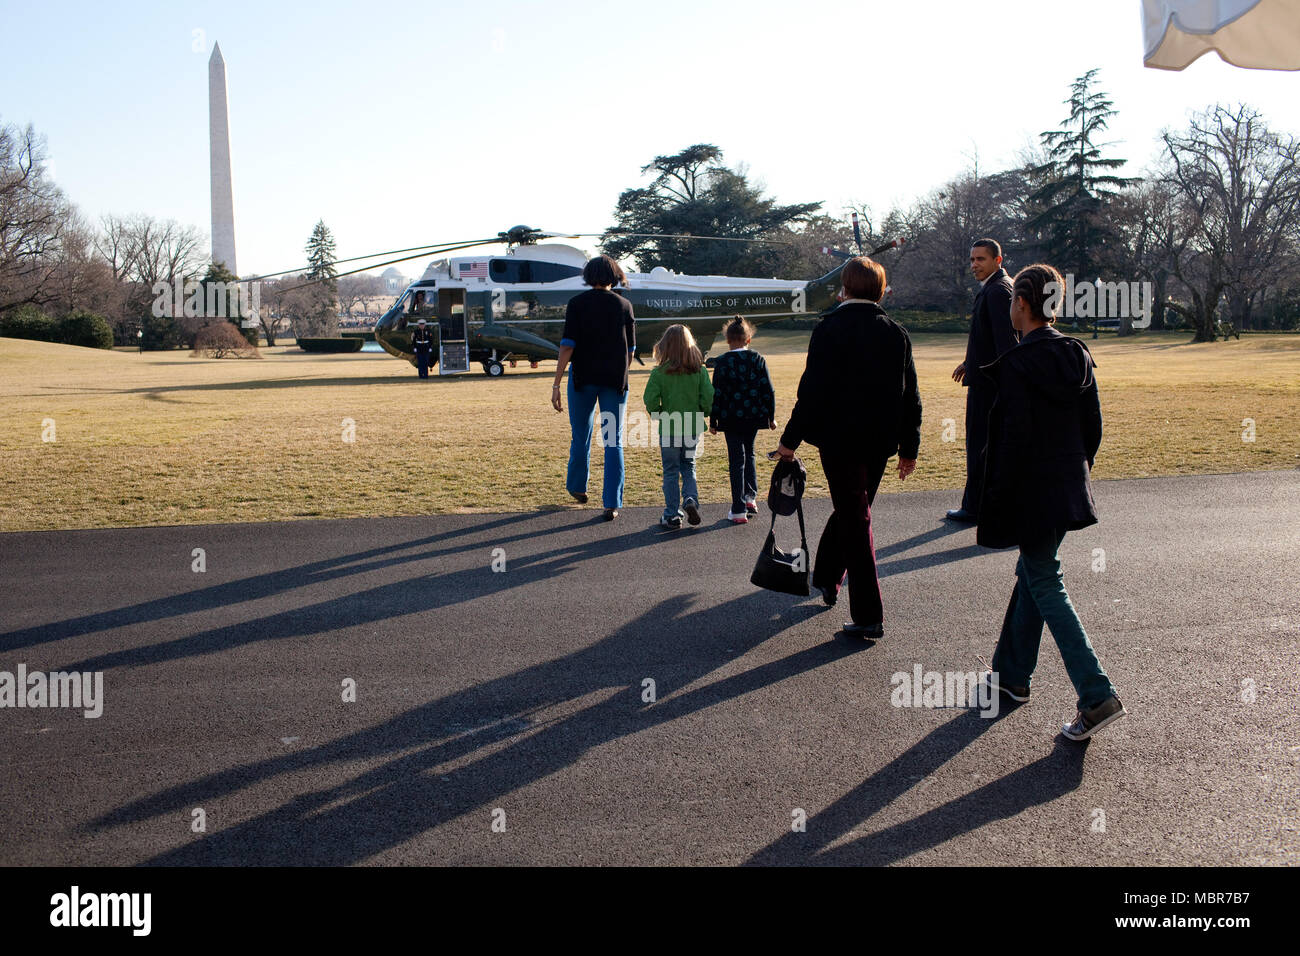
{"x":421,"y":322}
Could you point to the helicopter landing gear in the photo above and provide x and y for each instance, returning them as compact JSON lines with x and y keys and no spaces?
{"x":494,"y":368}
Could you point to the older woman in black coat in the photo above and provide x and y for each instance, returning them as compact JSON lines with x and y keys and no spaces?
{"x":1044,"y":432}
{"x":858,"y":403}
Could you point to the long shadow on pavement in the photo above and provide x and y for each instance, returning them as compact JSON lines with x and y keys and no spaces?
{"x":409,"y":595}
{"x":1040,"y":782}
{"x":416,"y":790}
{"x":260,"y":586}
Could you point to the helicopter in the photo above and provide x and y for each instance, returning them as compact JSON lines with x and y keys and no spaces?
{"x":493,"y":309}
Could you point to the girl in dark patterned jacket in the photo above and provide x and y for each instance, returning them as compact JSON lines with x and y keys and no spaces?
{"x":743,"y":402}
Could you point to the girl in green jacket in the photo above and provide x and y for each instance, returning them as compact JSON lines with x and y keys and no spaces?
{"x":679,"y":396}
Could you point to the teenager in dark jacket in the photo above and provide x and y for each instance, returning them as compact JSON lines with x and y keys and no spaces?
{"x":1044,"y":432}
{"x":743,"y":402}
{"x":859,"y":405}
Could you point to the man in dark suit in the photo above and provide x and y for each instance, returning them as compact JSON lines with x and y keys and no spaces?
{"x":990,"y":336}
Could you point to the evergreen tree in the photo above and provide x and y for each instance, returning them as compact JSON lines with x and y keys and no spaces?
{"x":321,"y":255}
{"x":315,"y":305}
{"x":1077,"y":185}
{"x":694,"y":194}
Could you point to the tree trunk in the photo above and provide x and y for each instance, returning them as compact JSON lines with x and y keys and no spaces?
{"x":1238,"y":310}
{"x":1160,"y":291}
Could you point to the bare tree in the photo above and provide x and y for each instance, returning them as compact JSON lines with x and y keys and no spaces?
{"x":165,"y":250}
{"x":941,"y":226}
{"x":1238,"y":184}
{"x":357,"y":290}
{"x":36,"y":223}
{"x":306,"y":309}
{"x":1153,"y":226}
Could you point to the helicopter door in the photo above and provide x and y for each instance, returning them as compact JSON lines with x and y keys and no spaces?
{"x":453,"y":344}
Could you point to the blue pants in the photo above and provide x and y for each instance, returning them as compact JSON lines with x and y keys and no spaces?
{"x":740,"y":465}
{"x":422,"y":363}
{"x":1040,"y":598}
{"x":582,"y":421}
{"x":679,"y":476}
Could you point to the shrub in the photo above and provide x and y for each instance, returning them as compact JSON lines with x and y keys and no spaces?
{"x":330,"y":345}
{"x":86,"y":329}
{"x":28,"y":322}
{"x":220,"y":339}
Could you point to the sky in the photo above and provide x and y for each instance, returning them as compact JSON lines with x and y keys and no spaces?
{"x":406,"y":123}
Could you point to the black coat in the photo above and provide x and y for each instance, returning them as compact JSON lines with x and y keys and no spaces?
{"x":742,"y":391}
{"x":991,"y":332}
{"x":423,"y":340}
{"x":1044,"y":431}
{"x":858,"y":396}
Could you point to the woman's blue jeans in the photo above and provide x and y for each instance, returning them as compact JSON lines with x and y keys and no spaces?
{"x":1040,"y":598}
{"x":582,"y":422}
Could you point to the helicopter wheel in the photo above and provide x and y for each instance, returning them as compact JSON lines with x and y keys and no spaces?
{"x":494,"y":368}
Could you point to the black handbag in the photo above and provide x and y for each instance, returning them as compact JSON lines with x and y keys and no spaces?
{"x":777,"y":570}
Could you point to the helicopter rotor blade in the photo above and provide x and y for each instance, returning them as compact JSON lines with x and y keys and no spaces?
{"x":892,"y":244}
{"x":666,"y":235}
{"x":418,"y":255}
{"x":429,"y":249}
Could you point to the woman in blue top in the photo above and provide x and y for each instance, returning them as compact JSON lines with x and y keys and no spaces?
{"x":599,"y":339}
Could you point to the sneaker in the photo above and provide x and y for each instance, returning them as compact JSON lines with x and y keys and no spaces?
{"x":1088,"y":722}
{"x":671,"y":524}
{"x":579,"y":496}
{"x":1019,"y":694}
{"x":610,"y":514}
{"x":751,"y":507}
{"x":738,"y":517}
{"x":692,"y":511}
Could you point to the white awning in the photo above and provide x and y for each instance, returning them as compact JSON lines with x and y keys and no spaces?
{"x":1255,"y":34}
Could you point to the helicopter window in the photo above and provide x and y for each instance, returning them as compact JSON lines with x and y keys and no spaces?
{"x":553,"y":272}
{"x":524,"y":270}
{"x":511,"y":270}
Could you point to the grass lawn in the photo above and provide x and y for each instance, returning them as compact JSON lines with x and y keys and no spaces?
{"x":162,"y":438}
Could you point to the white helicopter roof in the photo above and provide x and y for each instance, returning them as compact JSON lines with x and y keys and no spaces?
{"x":571,"y":256}
{"x":554,"y":252}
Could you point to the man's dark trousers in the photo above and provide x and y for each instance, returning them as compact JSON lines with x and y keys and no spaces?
{"x":422,"y":362}
{"x":979,"y":402}
{"x":848,"y":544}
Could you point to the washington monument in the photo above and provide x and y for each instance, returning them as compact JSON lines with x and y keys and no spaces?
{"x":223,"y":203}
